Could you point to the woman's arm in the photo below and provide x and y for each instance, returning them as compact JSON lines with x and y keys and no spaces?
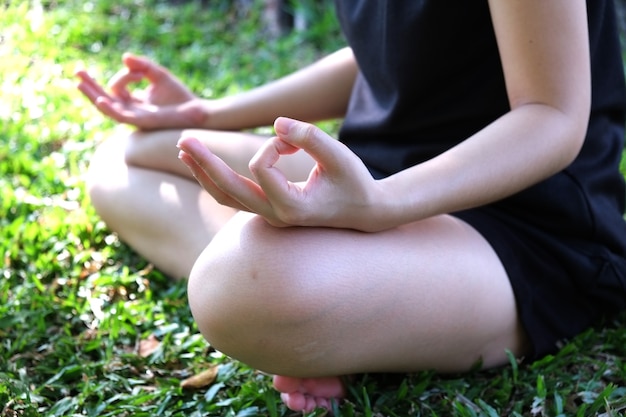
{"x":545,"y":57}
{"x":317,"y":92}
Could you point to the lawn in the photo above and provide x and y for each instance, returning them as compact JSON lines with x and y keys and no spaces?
{"x":87,"y":327}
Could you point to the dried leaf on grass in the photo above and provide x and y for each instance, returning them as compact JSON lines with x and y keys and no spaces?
{"x":201,"y":380}
{"x":148,"y":346}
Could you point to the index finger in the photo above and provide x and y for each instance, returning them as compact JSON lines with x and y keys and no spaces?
{"x":329,"y":153}
{"x":271,"y":179}
{"x":148,"y":68}
{"x":120,"y":81}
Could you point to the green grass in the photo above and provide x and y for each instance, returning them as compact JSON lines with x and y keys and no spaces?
{"x":78,"y":307}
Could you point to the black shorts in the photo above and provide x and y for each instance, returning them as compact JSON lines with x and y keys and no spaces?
{"x":562,"y":286}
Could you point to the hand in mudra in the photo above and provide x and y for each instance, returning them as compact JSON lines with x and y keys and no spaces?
{"x":340,"y":192}
{"x":166,"y":103}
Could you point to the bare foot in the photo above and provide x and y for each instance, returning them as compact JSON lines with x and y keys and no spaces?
{"x":307,"y":394}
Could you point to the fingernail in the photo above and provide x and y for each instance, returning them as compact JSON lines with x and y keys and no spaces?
{"x":182,"y":155}
{"x":282,"y":125}
{"x":180,"y":141}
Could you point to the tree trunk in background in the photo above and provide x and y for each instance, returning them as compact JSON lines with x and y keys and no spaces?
{"x":280,"y":16}
{"x":277,"y":20}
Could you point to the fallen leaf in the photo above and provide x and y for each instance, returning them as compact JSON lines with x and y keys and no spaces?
{"x":201,"y":380}
{"x":148,"y":346}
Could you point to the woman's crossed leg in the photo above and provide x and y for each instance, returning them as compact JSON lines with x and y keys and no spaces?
{"x":314,"y":304}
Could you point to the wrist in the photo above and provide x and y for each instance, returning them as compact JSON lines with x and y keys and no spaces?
{"x":220,"y":114}
{"x":201,"y":113}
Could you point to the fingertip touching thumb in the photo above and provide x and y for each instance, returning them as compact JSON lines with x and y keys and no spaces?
{"x":129,"y":57}
{"x":282,"y":125}
{"x":136,"y":62}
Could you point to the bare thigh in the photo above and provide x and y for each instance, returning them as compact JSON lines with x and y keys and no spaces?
{"x":310,"y":302}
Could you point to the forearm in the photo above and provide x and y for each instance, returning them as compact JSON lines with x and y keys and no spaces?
{"x":318,"y":92}
{"x":544,"y":51}
{"x":516,"y":151}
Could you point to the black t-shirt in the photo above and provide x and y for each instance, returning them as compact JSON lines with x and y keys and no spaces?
{"x":430,"y":76}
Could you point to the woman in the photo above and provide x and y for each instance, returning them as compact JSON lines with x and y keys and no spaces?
{"x":473,"y":204}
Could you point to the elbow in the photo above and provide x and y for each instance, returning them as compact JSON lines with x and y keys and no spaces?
{"x":567,"y":129}
{"x":577,"y":125}
{"x":573,"y":124}
{"x":566,"y":115}
{"x":572,"y":135}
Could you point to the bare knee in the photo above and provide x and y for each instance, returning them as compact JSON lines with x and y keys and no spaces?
{"x":228,"y":284}
{"x":242,"y":299}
